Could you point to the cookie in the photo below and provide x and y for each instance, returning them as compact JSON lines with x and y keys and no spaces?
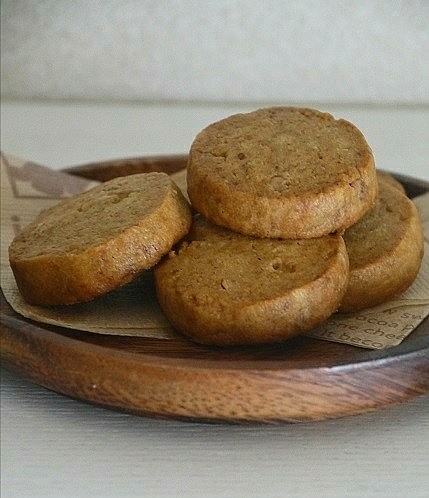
{"x":223,"y":288}
{"x":282,"y":172}
{"x":98,"y":240}
{"x":384,"y":176}
{"x":385,"y":250}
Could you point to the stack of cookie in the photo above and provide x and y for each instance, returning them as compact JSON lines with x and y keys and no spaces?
{"x":293,"y":224}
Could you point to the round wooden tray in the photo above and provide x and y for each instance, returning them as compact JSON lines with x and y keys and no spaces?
{"x":301,"y":380}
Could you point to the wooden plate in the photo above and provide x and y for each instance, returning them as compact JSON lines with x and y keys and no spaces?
{"x":303,"y":379}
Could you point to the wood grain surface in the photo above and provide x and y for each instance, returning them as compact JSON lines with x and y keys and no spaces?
{"x":303,"y":379}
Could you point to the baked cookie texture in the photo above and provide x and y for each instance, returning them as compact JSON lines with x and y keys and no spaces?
{"x":385,"y":250}
{"x":295,"y":225}
{"x":282,"y":172}
{"x":224,"y":288}
{"x":386,"y":177}
{"x":98,"y":240}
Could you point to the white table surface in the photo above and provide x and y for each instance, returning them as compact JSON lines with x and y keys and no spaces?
{"x":53,"y":446}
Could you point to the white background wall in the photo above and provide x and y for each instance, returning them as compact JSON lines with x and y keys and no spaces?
{"x":363,"y":51}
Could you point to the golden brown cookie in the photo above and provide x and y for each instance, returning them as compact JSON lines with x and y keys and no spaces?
{"x":223,"y":288}
{"x":385,"y":250}
{"x":384,"y":176}
{"x":282,"y":172}
{"x":98,"y":240}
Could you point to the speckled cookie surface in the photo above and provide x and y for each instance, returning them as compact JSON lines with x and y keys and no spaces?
{"x":385,"y":250}
{"x":282,"y":172}
{"x":224,"y":288}
{"x":98,"y":240}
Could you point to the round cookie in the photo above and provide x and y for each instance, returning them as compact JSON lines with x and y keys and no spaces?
{"x":98,"y":240}
{"x":223,"y":288}
{"x":385,"y":250}
{"x":282,"y":172}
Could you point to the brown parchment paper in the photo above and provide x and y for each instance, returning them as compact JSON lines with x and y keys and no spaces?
{"x":133,"y":310}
